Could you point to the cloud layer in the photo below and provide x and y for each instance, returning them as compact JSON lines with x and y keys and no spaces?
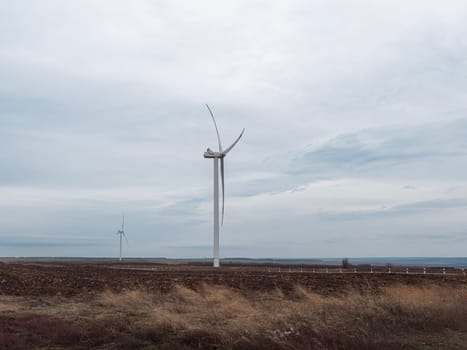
{"x":355,"y":117}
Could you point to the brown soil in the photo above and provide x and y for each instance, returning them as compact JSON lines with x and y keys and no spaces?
{"x":71,"y":279}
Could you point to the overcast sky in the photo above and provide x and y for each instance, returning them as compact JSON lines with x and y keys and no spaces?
{"x":355,"y":115}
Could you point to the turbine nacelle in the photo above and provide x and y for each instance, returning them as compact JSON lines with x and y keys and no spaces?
{"x":211,"y":154}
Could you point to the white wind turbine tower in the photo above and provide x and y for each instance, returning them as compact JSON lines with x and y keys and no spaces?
{"x":121,"y":233}
{"x":216,"y":156}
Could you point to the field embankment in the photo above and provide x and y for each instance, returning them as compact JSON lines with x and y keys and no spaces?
{"x":216,"y":317}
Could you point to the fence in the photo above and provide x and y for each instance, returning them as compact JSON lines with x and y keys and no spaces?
{"x":442,"y":271}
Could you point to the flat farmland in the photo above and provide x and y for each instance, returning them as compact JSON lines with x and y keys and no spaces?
{"x":69,"y":279}
{"x":86,"y":304}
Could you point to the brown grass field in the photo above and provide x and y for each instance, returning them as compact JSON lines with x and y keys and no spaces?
{"x":90,"y":305}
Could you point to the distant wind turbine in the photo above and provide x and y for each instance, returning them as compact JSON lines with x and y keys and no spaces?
{"x":216,"y":156}
{"x":121,"y":233}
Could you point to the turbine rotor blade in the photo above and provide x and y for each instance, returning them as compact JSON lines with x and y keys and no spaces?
{"x":126,"y":239}
{"x":223,"y":189}
{"x":217,"y":130}
{"x":233,"y":144}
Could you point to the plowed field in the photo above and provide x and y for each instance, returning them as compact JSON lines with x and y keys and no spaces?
{"x":71,"y":279}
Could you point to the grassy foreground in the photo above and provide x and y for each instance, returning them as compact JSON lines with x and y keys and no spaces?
{"x":214,"y":317}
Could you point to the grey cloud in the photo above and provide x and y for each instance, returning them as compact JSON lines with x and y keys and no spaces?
{"x":184,"y":207}
{"x":28,"y":241}
{"x":35,"y":244}
{"x":390,"y":153}
{"x":395,"y":211}
{"x":413,"y":153}
{"x":434,"y":204}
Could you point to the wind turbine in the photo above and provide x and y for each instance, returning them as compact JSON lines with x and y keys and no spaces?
{"x":216,"y":156}
{"x":121,"y":233}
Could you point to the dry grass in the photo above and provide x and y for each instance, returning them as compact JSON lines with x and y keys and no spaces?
{"x":220,"y":318}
